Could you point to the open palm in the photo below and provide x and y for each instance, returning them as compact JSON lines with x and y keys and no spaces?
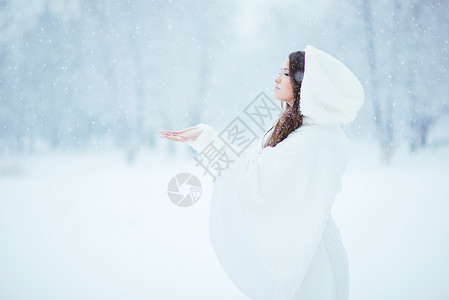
{"x":186,"y":135}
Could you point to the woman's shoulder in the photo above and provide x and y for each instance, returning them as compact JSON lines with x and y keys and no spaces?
{"x":316,"y":135}
{"x":318,"y":131}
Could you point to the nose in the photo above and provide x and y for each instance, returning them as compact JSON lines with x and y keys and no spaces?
{"x":276,"y":79}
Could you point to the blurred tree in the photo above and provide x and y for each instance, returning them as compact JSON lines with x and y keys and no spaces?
{"x":86,"y":73}
{"x":407,"y":62}
{"x":425,"y":43}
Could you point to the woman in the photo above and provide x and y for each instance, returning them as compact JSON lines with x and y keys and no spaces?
{"x":270,"y":222}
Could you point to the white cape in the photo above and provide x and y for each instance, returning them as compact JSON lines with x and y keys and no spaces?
{"x":270,"y":223}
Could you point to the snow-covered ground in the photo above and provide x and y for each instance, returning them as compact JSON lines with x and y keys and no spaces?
{"x":395,"y":224}
{"x":92,"y":226}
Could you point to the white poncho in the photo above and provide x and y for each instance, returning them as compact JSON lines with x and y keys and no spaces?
{"x":270,"y":223}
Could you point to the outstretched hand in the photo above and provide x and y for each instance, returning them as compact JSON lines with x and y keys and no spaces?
{"x":186,"y":135}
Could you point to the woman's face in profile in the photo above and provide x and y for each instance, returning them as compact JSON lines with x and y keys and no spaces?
{"x":283,"y":89}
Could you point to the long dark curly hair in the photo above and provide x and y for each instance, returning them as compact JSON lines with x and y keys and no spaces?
{"x":291,"y":118}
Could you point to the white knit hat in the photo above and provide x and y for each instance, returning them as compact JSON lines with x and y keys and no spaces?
{"x":330,"y":92}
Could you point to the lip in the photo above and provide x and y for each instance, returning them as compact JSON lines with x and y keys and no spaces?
{"x":276,"y":88}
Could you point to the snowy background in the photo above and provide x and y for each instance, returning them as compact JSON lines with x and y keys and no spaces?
{"x":85,"y":85}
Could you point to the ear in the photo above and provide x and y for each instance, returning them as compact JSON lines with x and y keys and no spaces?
{"x":299,"y":76}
